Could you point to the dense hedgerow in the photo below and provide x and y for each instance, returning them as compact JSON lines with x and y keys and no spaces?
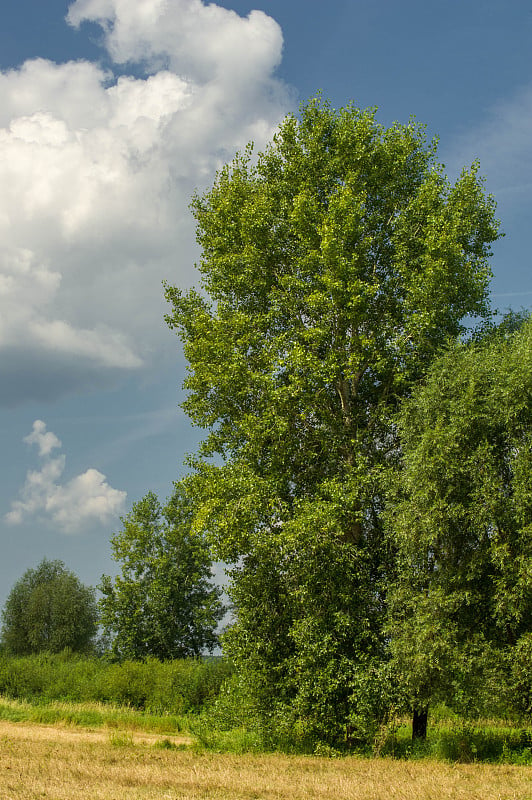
{"x":170,"y":687}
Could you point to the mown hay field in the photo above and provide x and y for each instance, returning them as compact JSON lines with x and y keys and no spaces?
{"x":59,"y":762}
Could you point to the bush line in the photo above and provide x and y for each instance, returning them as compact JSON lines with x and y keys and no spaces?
{"x":169,"y":687}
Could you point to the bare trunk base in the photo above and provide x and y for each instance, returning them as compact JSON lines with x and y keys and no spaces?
{"x":419,"y":723}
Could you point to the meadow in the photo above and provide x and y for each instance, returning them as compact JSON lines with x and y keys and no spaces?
{"x":66,"y":762}
{"x":76,"y":728}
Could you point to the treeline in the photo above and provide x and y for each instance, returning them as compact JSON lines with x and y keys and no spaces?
{"x":366,"y":469}
{"x":162,"y":605}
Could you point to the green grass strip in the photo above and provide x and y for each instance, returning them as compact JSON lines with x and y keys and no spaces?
{"x":89,"y":715}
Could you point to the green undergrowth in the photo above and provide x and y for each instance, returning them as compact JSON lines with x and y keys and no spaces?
{"x":448,"y":739}
{"x":465,"y":741}
{"x":479,"y":744}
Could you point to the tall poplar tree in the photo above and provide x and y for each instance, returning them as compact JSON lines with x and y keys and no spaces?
{"x":335,"y":264}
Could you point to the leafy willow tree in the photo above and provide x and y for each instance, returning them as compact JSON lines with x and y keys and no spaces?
{"x":163,"y":604}
{"x":49,"y":610}
{"x":335,"y":265}
{"x":461,"y":515}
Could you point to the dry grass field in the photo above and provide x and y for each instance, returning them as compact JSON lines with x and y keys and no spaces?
{"x":68,"y":763}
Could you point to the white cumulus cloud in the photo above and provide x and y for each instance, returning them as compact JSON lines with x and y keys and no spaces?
{"x":84,"y":500}
{"x":97,"y":174}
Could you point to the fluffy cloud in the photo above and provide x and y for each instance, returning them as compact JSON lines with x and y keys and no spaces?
{"x":204,"y":41}
{"x":84,"y":500}
{"x":96,"y":176}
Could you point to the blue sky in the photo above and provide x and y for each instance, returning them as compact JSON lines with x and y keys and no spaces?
{"x":111,"y":113}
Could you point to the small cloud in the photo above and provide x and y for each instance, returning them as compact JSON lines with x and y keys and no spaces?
{"x":39,"y":486}
{"x":86,"y":499}
{"x":45,"y":440}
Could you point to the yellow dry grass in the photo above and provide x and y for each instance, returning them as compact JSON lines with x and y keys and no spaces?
{"x":60,"y":763}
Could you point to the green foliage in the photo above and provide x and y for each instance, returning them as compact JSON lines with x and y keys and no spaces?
{"x":460,"y":512}
{"x":232,"y":724}
{"x":521,"y":672}
{"x":48,"y":610}
{"x":170,"y":687}
{"x":335,"y":266}
{"x":163,"y":604}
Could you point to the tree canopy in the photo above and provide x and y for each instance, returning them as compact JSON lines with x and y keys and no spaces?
{"x":163,"y":604}
{"x":335,"y":265}
{"x":49,"y":610}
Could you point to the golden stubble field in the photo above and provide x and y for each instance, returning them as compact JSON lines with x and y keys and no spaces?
{"x":66,"y":763}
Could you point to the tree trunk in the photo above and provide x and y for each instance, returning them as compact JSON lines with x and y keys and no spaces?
{"x":419,"y":723}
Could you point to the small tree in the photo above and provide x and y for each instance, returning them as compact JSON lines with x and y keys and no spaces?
{"x":48,"y":610}
{"x":163,"y":604}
